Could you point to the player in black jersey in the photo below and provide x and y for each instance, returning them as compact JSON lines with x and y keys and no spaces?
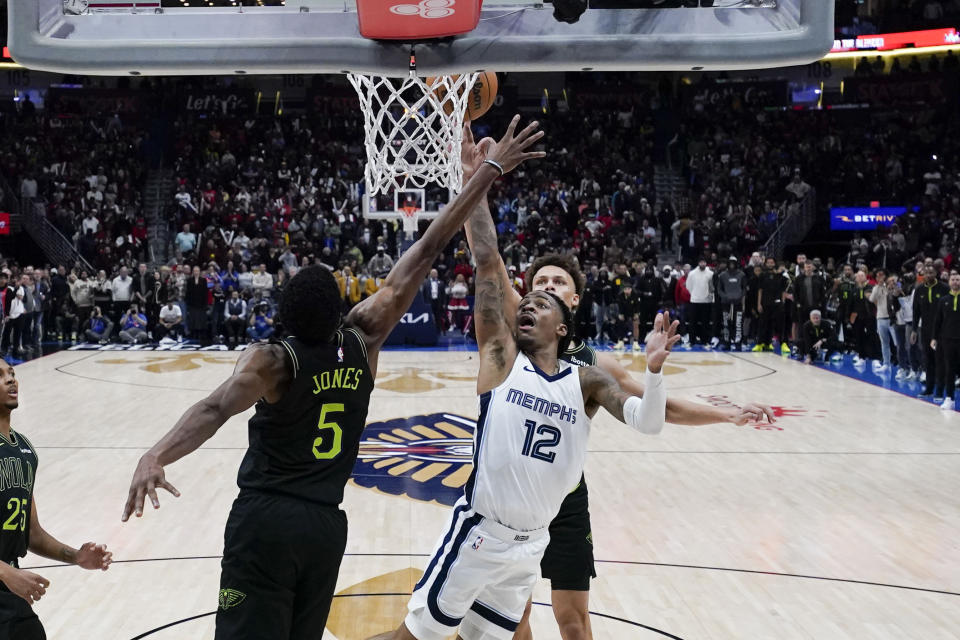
{"x":568,"y":562}
{"x":20,"y":528}
{"x":286,"y":535}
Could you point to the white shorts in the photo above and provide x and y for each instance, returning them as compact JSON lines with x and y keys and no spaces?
{"x":479,"y":579}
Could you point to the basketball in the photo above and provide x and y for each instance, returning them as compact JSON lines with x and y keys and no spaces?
{"x":481,"y":97}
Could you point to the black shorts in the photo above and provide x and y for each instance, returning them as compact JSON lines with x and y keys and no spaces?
{"x":568,"y":561}
{"x":17,"y":619}
{"x":280,"y":562}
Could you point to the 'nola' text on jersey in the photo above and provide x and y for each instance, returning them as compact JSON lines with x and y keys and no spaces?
{"x":12,"y":475}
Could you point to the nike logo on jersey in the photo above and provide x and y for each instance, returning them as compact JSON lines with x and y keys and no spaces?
{"x":26,"y":451}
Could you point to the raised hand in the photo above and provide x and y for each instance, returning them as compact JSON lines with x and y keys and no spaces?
{"x":148,"y":476}
{"x":93,"y":556}
{"x":26,"y":584}
{"x":751,"y":412}
{"x":511,"y":150}
{"x":661,"y":340}
{"x":472,"y":154}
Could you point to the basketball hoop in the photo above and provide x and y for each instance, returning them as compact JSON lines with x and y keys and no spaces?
{"x":413,"y":129}
{"x":410,"y":219}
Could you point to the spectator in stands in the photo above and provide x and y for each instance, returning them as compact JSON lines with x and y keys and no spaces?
{"x":628,"y":306}
{"x":946,"y":328}
{"x":15,"y":319}
{"x":244,"y":278}
{"x":809,"y":290}
{"x":908,"y":360}
{"x":861,"y":318}
{"x":169,"y":323}
{"x":381,"y":262}
{"x":133,"y":326}
{"x":66,"y":321}
{"x":925,"y":301}
{"x":887,"y":306}
{"x":235,"y":314}
{"x":99,"y":327}
{"x":349,"y":287}
{"x":458,"y":308}
{"x":196,"y":297}
{"x":143,"y":288}
{"x":433,"y":293}
{"x":731,"y":290}
{"x":121,"y":290}
{"x":186,"y":241}
{"x":700,"y":285}
{"x":771,"y":287}
{"x":262,"y":281}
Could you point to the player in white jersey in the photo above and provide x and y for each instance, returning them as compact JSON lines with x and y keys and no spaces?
{"x":529,"y":450}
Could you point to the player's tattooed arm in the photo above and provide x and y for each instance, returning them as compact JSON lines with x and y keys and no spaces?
{"x":89,"y":556}
{"x":600,"y":388}
{"x":263,"y":371}
{"x":482,"y":239}
{"x":376,"y":316}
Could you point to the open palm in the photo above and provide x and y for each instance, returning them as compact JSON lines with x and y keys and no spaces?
{"x":661,"y":340}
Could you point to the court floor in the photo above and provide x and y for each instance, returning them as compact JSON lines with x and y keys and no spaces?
{"x":839,"y":522}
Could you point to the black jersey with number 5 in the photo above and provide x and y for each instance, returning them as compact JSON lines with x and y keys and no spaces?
{"x":18,"y":468}
{"x":305,"y":444}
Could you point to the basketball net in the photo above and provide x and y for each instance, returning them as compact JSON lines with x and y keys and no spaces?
{"x":410,"y":219}
{"x":413,"y":129}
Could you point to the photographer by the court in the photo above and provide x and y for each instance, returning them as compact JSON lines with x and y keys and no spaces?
{"x":261,"y":322}
{"x":99,"y":327}
{"x":817,"y":338}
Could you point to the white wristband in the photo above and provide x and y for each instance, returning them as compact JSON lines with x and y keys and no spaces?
{"x":648,"y":414}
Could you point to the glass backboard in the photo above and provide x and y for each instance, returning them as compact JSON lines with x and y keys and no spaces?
{"x":182,"y":37}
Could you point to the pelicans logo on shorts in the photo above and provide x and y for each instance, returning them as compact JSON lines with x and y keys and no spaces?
{"x":426,"y":457}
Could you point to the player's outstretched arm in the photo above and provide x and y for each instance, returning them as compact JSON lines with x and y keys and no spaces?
{"x":262,"y":372}
{"x":89,"y":556}
{"x":376,"y":316}
{"x":649,"y":413}
{"x":685,"y":412}
{"x":482,"y":233}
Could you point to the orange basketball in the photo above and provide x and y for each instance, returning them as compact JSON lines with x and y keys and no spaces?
{"x":481,"y":97}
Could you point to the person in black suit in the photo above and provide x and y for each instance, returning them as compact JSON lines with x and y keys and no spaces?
{"x":434,"y":292}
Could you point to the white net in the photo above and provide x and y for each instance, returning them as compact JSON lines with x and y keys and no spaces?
{"x":413,"y":130}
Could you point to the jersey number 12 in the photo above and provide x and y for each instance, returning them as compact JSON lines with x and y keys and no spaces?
{"x":539,"y":449}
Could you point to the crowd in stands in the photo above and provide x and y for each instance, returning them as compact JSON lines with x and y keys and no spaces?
{"x":258,"y":198}
{"x":855,"y":17}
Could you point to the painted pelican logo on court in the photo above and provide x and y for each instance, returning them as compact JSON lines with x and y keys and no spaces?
{"x":425,"y":457}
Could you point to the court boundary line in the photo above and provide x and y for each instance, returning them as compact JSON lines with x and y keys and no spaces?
{"x":668,"y":565}
{"x":407,"y":595}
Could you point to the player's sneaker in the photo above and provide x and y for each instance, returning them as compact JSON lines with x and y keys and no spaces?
{"x":923,"y":376}
{"x":836,"y":358}
{"x":784,"y":349}
{"x":636,"y":346}
{"x":947,"y":404}
{"x":618,"y":346}
{"x":881,"y":369}
{"x":901,"y":374}
{"x":858,"y":361}
{"x":911,"y":376}
{"x":757,"y":347}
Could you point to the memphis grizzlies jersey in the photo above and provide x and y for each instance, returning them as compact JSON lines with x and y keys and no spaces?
{"x":529,"y":447}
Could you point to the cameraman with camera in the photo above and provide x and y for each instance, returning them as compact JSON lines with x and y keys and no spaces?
{"x":99,"y":327}
{"x":261,"y":322}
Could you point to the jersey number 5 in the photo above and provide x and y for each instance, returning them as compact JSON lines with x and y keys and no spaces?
{"x":19,"y":509}
{"x":327,"y":447}
{"x":540,"y":448}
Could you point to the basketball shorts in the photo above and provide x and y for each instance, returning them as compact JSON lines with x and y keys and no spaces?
{"x":568,"y":561}
{"x":17,"y":619}
{"x":281,"y":558}
{"x":479,"y":579}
